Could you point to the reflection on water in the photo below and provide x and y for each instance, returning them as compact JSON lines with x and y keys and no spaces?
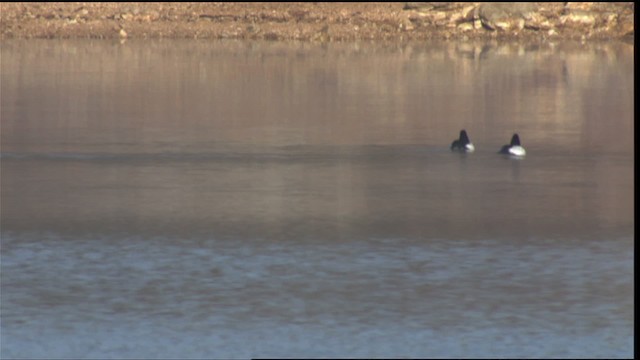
{"x":180,"y":96}
{"x":274,"y":199}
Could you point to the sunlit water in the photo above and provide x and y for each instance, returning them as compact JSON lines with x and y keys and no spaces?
{"x":205,"y":199}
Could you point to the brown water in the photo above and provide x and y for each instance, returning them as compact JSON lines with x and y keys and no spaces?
{"x":238,"y":199}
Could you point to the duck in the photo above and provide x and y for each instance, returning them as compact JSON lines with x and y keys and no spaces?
{"x":514,"y":148}
{"x":463,"y":143}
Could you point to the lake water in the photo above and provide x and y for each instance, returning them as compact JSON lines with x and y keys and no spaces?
{"x":198,"y":199}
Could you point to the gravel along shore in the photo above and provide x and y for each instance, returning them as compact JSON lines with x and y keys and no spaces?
{"x":316,"y":21}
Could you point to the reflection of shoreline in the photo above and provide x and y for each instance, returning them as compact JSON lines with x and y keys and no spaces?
{"x":232,"y":92}
{"x":319,"y":21}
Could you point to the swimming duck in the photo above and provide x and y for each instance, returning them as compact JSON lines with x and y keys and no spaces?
{"x":462,"y":144}
{"x":514,"y":148}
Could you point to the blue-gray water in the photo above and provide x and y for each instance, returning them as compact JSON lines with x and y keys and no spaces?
{"x":196,"y":199}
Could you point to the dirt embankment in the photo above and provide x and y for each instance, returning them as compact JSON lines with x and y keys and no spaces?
{"x":319,"y":21}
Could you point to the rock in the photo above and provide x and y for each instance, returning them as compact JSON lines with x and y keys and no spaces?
{"x":435,"y":16}
{"x":578,"y":5}
{"x":406,"y":25}
{"x":626,"y":25}
{"x":578,"y":17}
{"x":465,"y":26}
{"x":152,"y":16}
{"x":428,"y":6}
{"x":536,"y":21}
{"x":505,"y":16}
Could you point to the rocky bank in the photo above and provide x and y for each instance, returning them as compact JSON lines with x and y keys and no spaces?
{"x":316,"y":21}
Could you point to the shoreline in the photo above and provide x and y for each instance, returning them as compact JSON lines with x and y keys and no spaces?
{"x":320,"y":22}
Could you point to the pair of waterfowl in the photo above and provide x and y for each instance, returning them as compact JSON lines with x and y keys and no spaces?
{"x":463,"y":144}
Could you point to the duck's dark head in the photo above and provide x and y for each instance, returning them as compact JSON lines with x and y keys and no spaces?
{"x":515,"y":140}
{"x":464,"y":138}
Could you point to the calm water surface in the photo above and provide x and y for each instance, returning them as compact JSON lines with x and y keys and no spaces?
{"x":262,"y":199}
